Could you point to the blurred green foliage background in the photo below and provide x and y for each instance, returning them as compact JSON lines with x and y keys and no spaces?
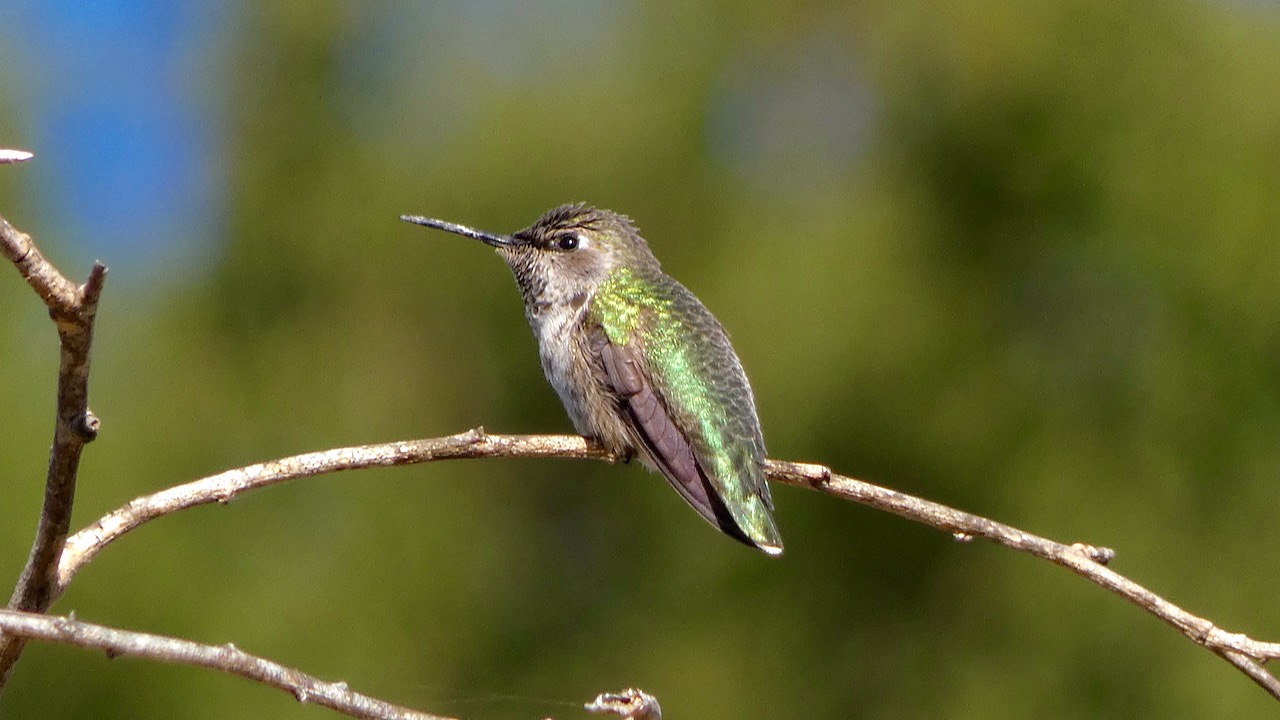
{"x":1021,"y":258}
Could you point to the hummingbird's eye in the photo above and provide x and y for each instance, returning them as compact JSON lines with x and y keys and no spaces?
{"x":568,"y":241}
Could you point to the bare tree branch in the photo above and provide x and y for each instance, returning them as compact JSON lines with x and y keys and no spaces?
{"x":1087,"y":561}
{"x":73,"y":308}
{"x":225,"y":658}
{"x":221,"y":488}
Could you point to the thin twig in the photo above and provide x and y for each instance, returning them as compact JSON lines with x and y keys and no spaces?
{"x":226,"y":658}
{"x":52,"y":287}
{"x":1087,"y":561}
{"x":73,"y":309}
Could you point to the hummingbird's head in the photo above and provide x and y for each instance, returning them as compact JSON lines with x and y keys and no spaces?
{"x":565,"y":254}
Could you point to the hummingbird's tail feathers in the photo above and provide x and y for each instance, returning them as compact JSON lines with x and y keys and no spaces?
{"x":751,"y":524}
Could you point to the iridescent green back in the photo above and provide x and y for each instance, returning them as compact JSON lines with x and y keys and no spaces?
{"x":701,"y":383}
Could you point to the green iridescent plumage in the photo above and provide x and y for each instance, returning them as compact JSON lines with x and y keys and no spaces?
{"x":701,"y":383}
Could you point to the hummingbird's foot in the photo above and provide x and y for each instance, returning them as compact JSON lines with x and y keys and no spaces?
{"x":622,"y":455}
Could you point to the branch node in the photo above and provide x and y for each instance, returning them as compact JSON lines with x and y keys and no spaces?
{"x":1098,"y":554}
{"x":92,"y":287}
{"x":819,"y":475}
{"x":88,"y":426}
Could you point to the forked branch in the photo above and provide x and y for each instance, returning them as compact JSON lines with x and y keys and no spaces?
{"x":73,"y":309}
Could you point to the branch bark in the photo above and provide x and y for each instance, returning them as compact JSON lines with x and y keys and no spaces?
{"x":73,"y":309}
{"x":223,"y":487}
{"x":225,"y":658}
{"x":1088,"y":561}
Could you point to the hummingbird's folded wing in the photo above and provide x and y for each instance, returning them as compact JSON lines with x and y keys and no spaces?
{"x":676,"y":455}
{"x":662,"y":441}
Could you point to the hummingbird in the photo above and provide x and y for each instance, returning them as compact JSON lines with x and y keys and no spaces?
{"x":641,"y":366}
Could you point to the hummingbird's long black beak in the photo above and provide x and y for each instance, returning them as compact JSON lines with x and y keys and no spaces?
{"x":463,"y":230}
